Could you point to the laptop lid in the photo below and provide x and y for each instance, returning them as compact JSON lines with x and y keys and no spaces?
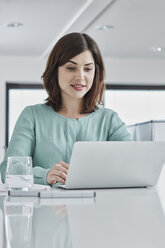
{"x":115,"y":164}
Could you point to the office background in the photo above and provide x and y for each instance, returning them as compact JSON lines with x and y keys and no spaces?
{"x":130,"y":34}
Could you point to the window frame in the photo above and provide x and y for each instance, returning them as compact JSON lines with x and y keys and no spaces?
{"x":134,"y":87}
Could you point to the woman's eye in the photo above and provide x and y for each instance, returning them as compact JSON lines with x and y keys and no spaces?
{"x":88,"y":69}
{"x":70,"y":68}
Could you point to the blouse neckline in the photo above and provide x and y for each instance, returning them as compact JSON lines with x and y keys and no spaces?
{"x":73,"y":119}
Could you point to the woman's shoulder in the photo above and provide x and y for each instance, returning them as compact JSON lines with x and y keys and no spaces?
{"x":36,"y":111}
{"x":106,"y":112}
{"x":41,"y":107}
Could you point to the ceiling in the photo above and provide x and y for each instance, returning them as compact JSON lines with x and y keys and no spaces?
{"x":122,"y":28}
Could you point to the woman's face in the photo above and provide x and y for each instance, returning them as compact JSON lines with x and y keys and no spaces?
{"x":76,"y":77}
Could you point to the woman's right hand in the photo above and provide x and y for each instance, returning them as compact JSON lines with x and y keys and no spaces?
{"x":58,"y":173}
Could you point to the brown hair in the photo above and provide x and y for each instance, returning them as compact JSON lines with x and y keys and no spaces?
{"x":66,"y":48}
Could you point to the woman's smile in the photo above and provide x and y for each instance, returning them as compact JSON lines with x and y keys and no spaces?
{"x":78,"y":87}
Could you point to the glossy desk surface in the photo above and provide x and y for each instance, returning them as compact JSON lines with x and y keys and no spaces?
{"x":129,"y":218}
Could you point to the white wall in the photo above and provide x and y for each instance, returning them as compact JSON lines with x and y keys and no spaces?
{"x":136,"y":71}
{"x":29,"y":70}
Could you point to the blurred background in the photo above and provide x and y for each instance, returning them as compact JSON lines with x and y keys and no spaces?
{"x":131,"y":37}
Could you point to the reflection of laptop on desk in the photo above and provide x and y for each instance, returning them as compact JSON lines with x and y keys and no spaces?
{"x":115,"y":164}
{"x":134,"y":218}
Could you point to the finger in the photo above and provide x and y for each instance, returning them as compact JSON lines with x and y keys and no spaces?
{"x":58,"y":179}
{"x":60,"y":174}
{"x":61,"y":168}
{"x":56,"y":176}
{"x":65,"y":165}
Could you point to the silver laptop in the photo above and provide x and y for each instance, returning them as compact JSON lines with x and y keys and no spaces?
{"x":115,"y":164}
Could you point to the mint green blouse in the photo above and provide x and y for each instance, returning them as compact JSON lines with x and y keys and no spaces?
{"x":49,"y":137}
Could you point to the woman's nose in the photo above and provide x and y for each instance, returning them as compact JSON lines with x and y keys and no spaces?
{"x":79,"y":76}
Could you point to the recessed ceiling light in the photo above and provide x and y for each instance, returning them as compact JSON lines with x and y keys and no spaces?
{"x":158,"y":49}
{"x":14,"y":24}
{"x":104,"y":27}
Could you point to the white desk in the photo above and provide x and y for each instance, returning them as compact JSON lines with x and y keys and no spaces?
{"x":118,"y":218}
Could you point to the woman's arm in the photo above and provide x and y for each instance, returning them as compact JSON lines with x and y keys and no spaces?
{"x":118,"y":130}
{"x":23,"y":143}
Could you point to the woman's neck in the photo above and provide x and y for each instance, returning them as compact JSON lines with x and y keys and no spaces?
{"x":71,"y":109}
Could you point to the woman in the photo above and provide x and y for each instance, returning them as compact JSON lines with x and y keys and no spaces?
{"x":74,"y":81}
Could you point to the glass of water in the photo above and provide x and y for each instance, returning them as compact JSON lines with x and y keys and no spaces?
{"x":19,"y":173}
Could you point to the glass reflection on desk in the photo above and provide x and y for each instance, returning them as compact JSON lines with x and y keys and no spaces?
{"x":18,"y":223}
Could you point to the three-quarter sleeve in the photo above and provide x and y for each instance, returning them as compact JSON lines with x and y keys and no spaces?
{"x":22,"y":144}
